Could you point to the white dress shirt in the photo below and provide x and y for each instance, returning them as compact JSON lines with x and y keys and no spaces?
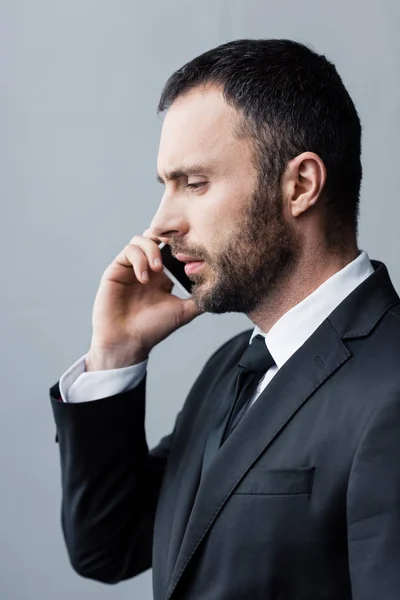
{"x":284,"y":338}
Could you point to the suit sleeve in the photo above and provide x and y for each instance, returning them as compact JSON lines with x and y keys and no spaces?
{"x":110,"y":479}
{"x":373,"y":513}
{"x":78,"y":385}
{"x":110,"y":483}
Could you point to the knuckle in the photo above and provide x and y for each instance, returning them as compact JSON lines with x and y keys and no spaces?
{"x":147,"y":233}
{"x":135,"y":240}
{"x":132,"y":250}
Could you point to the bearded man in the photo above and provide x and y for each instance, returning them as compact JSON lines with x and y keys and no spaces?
{"x":281,"y":477}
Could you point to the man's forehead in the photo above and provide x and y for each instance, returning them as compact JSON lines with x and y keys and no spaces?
{"x":201,"y":124}
{"x":203,"y":112}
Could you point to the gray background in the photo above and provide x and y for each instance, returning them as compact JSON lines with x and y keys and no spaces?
{"x":80,"y":82}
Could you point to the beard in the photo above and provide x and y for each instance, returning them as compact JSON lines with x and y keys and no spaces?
{"x":254,"y":264}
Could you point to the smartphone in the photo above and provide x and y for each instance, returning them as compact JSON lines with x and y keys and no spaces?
{"x":175,"y":270}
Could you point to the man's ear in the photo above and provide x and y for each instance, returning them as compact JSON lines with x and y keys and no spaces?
{"x":302,"y":182}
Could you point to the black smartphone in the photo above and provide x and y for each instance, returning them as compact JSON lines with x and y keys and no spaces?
{"x":175,"y":270}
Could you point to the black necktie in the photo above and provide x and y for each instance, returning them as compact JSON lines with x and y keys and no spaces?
{"x":254,"y":363}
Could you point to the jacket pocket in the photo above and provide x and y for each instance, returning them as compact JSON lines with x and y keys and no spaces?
{"x":277,"y":482}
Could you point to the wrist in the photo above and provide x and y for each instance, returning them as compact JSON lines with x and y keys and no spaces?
{"x":106,"y":359}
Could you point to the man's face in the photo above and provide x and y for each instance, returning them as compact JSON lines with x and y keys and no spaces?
{"x":215,"y":209}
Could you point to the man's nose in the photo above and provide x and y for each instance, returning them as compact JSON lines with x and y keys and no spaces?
{"x":167,"y":222}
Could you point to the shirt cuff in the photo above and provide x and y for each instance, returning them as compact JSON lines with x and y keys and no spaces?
{"x":78,"y":385}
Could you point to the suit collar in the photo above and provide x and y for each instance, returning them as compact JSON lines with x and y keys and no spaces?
{"x":361,"y":311}
{"x":297,"y":324}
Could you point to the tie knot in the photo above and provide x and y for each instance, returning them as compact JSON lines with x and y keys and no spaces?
{"x":257,"y":358}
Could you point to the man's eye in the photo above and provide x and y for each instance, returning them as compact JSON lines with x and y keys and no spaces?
{"x":196,"y":186}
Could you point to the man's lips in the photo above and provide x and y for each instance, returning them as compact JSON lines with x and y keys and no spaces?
{"x":193,"y":263}
{"x":193,"y":266}
{"x":186,"y":258}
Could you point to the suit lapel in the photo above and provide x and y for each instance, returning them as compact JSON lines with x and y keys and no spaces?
{"x":321,"y":355}
{"x":215,"y":435}
{"x":202,"y":450}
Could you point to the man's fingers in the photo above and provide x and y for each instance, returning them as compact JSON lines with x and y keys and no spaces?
{"x":150,"y":249}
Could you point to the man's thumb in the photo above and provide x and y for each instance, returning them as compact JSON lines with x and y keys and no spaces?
{"x":189,"y":311}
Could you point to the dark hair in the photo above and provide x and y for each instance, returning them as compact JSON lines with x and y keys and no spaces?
{"x":292,"y":100}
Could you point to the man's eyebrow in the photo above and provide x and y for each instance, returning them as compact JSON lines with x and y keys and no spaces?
{"x":184,"y":172}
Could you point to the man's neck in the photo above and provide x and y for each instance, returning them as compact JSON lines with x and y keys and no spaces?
{"x":307,"y":276}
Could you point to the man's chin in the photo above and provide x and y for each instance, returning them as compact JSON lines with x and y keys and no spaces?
{"x":206,"y":298}
{"x":201,"y":293}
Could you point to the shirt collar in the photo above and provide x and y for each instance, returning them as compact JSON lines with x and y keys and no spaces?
{"x":297,"y":324}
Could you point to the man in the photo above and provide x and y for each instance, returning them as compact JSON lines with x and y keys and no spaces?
{"x":281,"y":478}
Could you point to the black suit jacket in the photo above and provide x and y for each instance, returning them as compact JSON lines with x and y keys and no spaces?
{"x":302,"y":502}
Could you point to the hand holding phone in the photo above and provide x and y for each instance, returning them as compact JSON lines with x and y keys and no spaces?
{"x":133,"y":312}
